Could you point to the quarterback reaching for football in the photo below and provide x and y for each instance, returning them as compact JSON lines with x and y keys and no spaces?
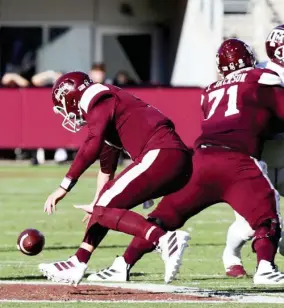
{"x":117,"y":118}
{"x":238,"y":110}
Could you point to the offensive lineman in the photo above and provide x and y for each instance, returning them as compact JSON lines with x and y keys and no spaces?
{"x":240,"y":231}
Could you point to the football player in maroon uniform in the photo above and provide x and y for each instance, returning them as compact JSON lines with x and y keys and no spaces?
{"x":240,"y":231}
{"x":238,"y":110}
{"x":118,"y":119}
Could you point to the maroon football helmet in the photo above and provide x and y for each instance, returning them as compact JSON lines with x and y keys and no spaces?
{"x":66,"y":94}
{"x":232,"y":55}
{"x":275,"y":45}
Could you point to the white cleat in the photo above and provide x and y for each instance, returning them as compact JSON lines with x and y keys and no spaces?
{"x":266,"y":274}
{"x":71,"y":271}
{"x":172,"y":246}
{"x":118,"y":271}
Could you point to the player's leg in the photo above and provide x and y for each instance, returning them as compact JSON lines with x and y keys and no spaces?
{"x":255,"y":199}
{"x":136,"y":184}
{"x":238,"y":234}
{"x":120,"y":269}
{"x":170,"y":214}
{"x":144,"y":185}
{"x":138,"y":247}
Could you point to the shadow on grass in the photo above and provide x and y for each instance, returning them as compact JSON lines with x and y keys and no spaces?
{"x":13,"y":249}
{"x":207,"y":244}
{"x":247,"y":291}
{"x":221,"y":278}
{"x":138,"y":274}
{"x":133,"y":277}
{"x":25,"y":277}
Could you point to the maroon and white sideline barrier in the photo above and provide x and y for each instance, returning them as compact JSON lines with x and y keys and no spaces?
{"x":28,"y":121}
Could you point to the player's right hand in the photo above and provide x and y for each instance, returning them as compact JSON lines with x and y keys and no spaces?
{"x":52,"y":200}
{"x":88,"y":208}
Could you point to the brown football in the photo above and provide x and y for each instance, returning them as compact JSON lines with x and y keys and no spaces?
{"x":31,"y":242}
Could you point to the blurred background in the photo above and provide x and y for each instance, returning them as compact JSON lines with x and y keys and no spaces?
{"x":162,"y":50}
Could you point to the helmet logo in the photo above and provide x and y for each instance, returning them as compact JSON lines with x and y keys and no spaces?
{"x":63,"y":89}
{"x":84,"y":85}
{"x":279,"y":53}
{"x":232,"y":66}
{"x":241,"y":63}
{"x":276,"y":36}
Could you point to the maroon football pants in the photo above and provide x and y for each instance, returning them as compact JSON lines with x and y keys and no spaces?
{"x":219,"y":175}
{"x":158,"y":173}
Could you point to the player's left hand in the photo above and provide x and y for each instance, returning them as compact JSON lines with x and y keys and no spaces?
{"x":50,"y":203}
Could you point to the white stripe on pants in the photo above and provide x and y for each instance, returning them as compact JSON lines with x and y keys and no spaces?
{"x":122,"y":182}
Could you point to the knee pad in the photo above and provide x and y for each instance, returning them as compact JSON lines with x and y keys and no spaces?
{"x":108,"y":217}
{"x":98,"y":212}
{"x":270,"y":228}
{"x":168,"y":219}
{"x":158,"y":222}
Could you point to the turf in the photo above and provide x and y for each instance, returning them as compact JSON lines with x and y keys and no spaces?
{"x":23,"y":190}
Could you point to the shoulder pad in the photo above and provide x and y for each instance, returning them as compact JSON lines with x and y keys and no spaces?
{"x":94,"y":92}
{"x":269,"y":77}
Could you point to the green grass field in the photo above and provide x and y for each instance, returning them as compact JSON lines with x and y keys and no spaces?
{"x":23,"y":190}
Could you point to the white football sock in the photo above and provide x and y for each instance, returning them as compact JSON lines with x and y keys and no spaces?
{"x":238,"y":234}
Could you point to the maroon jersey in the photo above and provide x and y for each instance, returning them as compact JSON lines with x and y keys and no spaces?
{"x":239,"y":109}
{"x":109,"y":157}
{"x":123,"y":121}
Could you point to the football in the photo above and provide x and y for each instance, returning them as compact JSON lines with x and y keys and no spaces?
{"x":31,"y":242}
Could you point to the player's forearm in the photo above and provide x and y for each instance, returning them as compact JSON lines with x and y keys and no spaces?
{"x":102,"y":179}
{"x":85,"y":157}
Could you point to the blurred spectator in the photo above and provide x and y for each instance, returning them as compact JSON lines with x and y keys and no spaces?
{"x":14,"y":80}
{"x":122,"y":78}
{"x":98,"y":73}
{"x":45,"y":79}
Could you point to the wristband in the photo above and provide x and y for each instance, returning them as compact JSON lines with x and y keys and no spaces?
{"x":68,"y":184}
